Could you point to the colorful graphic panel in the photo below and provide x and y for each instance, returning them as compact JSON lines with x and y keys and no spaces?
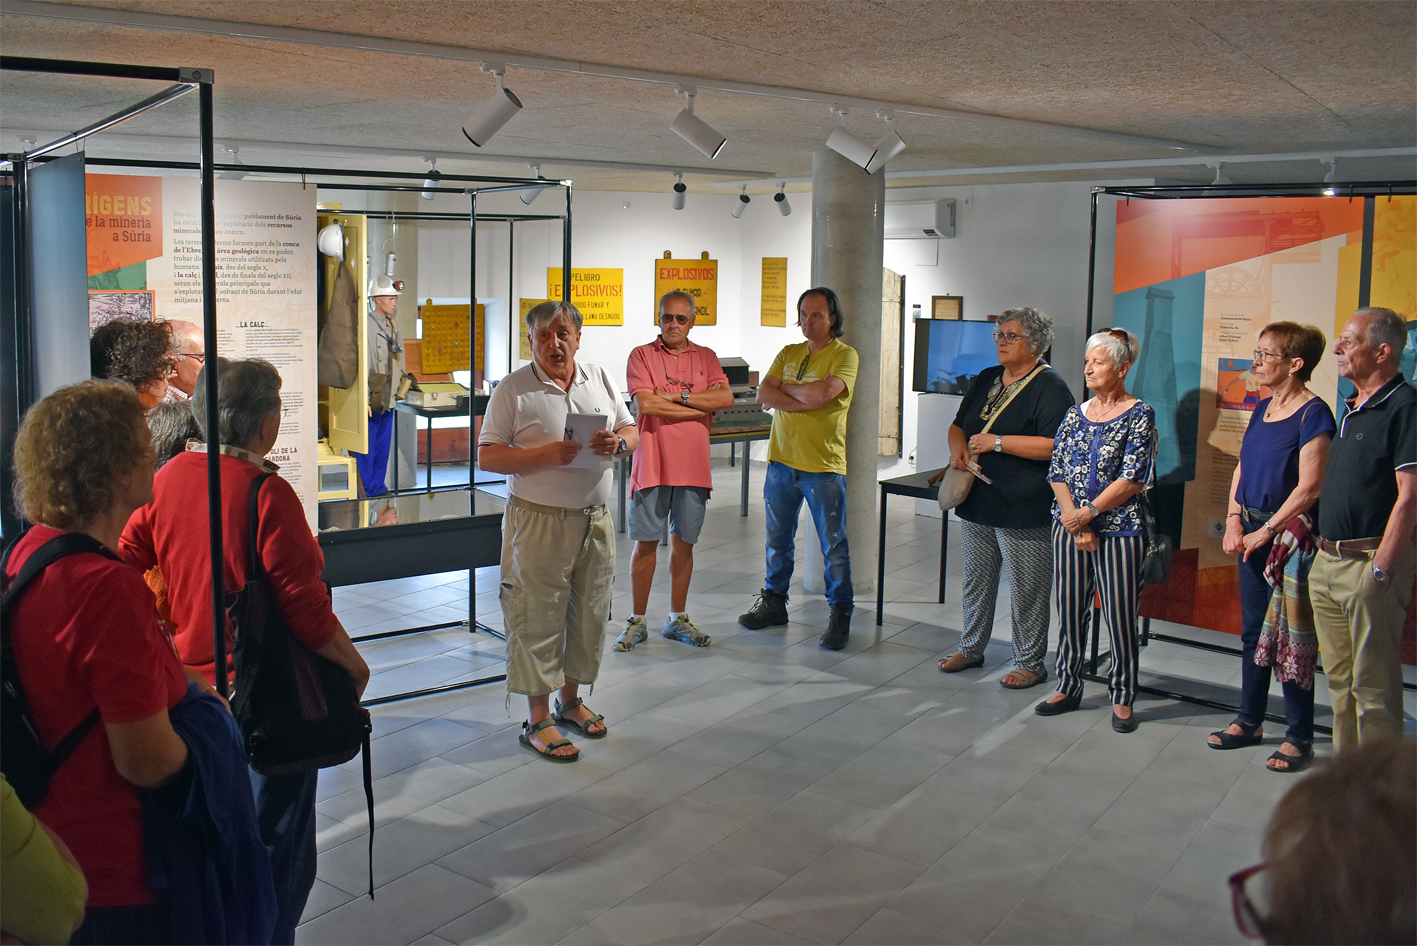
{"x":1198,"y":280}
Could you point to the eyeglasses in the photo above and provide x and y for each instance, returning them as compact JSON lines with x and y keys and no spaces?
{"x":669,"y":317}
{"x":1262,"y":355}
{"x":1247,"y":917}
{"x":195,"y":355}
{"x":1006,"y":337}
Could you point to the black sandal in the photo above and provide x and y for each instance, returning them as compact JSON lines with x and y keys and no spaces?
{"x":535,"y":729}
{"x":1249,"y":736}
{"x":1292,"y":763}
{"x":581,"y":727}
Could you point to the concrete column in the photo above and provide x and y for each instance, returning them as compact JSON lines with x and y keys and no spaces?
{"x":848,"y":233}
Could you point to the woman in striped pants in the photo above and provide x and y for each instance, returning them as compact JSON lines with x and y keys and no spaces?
{"x":1102,"y":458}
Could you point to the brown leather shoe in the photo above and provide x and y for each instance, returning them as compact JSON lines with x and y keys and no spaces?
{"x":957,"y":662}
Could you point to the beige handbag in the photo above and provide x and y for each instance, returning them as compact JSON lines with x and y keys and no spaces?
{"x":957,"y":483}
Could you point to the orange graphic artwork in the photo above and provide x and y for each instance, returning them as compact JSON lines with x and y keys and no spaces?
{"x":1160,"y":240}
{"x":123,"y":214}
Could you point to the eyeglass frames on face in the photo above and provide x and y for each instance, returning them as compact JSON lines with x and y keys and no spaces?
{"x":1265,"y":356}
{"x":196,"y":356}
{"x":1247,"y":917}
{"x":1006,"y":337}
{"x":671,"y":317}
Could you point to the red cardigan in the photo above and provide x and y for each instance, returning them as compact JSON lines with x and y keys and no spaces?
{"x":171,"y":533}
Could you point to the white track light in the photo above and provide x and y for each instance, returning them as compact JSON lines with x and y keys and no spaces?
{"x":1332,"y":175}
{"x":780,"y":198}
{"x":430,"y":183}
{"x":888,"y":147}
{"x":741,"y":204}
{"x":531,"y":193}
{"x":494,"y":113}
{"x":696,"y":131}
{"x":1220,"y":175}
{"x":848,"y":145}
{"x":676,"y":199}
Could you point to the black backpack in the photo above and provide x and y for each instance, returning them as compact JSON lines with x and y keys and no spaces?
{"x":28,"y":766}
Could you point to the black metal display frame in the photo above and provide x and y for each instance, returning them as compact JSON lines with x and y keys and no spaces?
{"x":1367,"y":191}
{"x":16,"y":319}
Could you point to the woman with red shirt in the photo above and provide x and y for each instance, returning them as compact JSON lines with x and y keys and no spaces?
{"x":86,"y":635}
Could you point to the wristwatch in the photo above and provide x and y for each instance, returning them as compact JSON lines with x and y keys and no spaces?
{"x":621,"y":447}
{"x":1092,"y":509}
{"x":1379,"y":575}
{"x":684,"y":398}
{"x":998,"y":444}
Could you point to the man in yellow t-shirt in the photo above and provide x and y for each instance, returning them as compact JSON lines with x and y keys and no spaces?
{"x":809,"y":390}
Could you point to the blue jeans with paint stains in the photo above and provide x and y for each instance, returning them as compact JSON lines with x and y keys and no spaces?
{"x":825,"y":495}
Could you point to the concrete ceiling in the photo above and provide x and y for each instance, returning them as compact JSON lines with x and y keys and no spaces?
{"x":1243,"y":77}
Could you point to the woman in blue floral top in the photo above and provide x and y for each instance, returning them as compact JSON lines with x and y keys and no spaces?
{"x":1102,"y":458}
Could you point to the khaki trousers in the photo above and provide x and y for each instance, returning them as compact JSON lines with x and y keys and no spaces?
{"x":1359,"y":625}
{"x":557,"y":569}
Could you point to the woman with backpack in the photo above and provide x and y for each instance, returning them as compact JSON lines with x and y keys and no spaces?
{"x":94,"y":665}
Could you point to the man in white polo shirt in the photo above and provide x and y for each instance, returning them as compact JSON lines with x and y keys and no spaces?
{"x":558,"y":544}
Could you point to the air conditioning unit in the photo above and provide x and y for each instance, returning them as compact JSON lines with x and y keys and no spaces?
{"x":930,"y":220}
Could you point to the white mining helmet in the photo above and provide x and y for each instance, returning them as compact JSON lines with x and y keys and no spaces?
{"x":385,"y":286}
{"x":331,"y":241}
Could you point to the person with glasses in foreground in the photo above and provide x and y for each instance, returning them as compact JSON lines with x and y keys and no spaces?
{"x":1269,"y":526}
{"x":1005,"y":522}
{"x":809,"y":389}
{"x":1104,"y":455}
{"x":1338,"y":864}
{"x":677,"y":386}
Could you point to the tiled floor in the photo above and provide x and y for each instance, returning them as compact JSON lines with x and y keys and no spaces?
{"x":763,"y":790}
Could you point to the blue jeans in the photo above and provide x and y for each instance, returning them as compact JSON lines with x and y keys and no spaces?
{"x":374,"y":465}
{"x":285,"y":811}
{"x":825,"y":493}
{"x":1254,"y":680}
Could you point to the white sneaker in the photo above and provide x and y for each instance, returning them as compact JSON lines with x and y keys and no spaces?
{"x":683,"y":630}
{"x":634,"y":633}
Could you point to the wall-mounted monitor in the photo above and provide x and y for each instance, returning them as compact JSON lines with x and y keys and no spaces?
{"x":950,"y":353}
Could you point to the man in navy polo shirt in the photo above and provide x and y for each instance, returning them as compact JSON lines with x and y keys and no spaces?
{"x":1361,"y":582}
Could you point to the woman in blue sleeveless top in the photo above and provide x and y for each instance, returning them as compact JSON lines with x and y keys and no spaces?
{"x":1277,"y":479}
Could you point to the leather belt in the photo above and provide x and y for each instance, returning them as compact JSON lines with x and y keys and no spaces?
{"x":1255,"y":517}
{"x":1350,"y":548}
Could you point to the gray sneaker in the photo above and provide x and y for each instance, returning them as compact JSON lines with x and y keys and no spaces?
{"x":683,"y":630}
{"x":634,"y":633}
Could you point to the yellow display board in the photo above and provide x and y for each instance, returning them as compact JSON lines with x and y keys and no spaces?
{"x":598,"y":293}
{"x":697,"y":277}
{"x":774,"y":300}
{"x":445,"y":337}
{"x":526,"y":306}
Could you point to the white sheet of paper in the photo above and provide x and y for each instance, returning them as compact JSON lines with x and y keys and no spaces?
{"x":580,"y":428}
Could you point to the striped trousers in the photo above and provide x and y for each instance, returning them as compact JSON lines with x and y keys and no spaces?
{"x":1113,"y":573}
{"x":1028,"y":554}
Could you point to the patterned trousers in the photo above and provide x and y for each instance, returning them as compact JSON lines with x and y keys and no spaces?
{"x":1029,"y":557}
{"x":1113,"y":573}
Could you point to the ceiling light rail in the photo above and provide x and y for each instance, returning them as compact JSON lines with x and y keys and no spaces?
{"x":376,"y":44}
{"x":421,"y":154}
{"x":1275,"y":157}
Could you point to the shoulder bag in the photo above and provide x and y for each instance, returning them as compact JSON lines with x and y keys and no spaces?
{"x":1156,"y":565}
{"x":956,"y":484}
{"x":296,"y":709}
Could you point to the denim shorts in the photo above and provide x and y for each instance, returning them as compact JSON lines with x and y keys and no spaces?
{"x":682,"y":506}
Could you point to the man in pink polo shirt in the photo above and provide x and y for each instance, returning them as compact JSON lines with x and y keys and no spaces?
{"x":677,"y":385}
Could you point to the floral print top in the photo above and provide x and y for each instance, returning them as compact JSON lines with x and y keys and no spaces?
{"x":1089,"y":456}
